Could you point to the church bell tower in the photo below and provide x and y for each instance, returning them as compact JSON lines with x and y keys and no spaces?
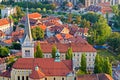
{"x":27,"y":43}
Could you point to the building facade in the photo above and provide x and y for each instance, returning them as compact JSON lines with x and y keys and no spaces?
{"x":7,"y":12}
{"x":6,"y":25}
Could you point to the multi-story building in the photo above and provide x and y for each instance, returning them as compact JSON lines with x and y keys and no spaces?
{"x":7,"y":11}
{"x":6,"y":25}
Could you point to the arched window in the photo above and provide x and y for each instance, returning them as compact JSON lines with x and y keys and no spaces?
{"x":26,"y":77}
{"x":54,"y":78}
{"x":22,"y":77}
{"x":18,"y":77}
{"x":62,"y":78}
{"x":45,"y":78}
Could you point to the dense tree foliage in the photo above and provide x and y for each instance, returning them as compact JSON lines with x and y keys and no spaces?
{"x":85,"y":24}
{"x":116,"y":17}
{"x":69,"y":54}
{"x":70,"y":18}
{"x":102,"y":65}
{"x":35,"y":5}
{"x":99,"y":32}
{"x":38,"y":53}
{"x":16,"y":46}
{"x":83,"y":63}
{"x":4,"y":51}
{"x":78,"y":19}
{"x":114,"y":41}
{"x":37,"y":33}
{"x":91,"y":16}
{"x":54,"y":50}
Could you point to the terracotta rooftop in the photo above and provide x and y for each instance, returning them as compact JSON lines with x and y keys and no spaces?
{"x":69,"y":4}
{"x":4,"y":21}
{"x":37,"y":74}
{"x":2,"y":34}
{"x":5,"y":74}
{"x":100,"y":76}
{"x":8,"y":41}
{"x":76,"y":47}
{"x":47,"y":65}
{"x":35,"y":15}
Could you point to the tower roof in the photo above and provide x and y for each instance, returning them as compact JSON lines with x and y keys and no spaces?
{"x":27,"y":27}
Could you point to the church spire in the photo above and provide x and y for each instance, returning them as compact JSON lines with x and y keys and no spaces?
{"x":27,"y":27}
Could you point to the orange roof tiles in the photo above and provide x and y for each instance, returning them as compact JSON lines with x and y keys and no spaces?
{"x":67,"y":36}
{"x":59,"y":37}
{"x":76,"y":47}
{"x":2,"y":34}
{"x":69,"y":4}
{"x":48,"y":66}
{"x":35,"y":15}
{"x":37,"y":74}
{"x":4,"y":21}
{"x":106,"y":8}
{"x":42,"y":26}
{"x":8,"y":41}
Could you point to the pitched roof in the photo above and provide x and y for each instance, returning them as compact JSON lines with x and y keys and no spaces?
{"x":35,"y":15}
{"x":8,"y":41}
{"x":2,"y":33}
{"x":100,"y":76}
{"x":76,"y":47}
{"x":5,"y":74}
{"x":37,"y":74}
{"x":4,"y":21}
{"x":47,"y":65}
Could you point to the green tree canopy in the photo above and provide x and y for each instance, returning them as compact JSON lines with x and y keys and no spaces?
{"x":78,"y":19}
{"x":85,"y":24}
{"x":99,"y":32}
{"x":91,"y":16}
{"x":107,"y":66}
{"x":38,"y":53}
{"x":69,"y":54}
{"x":114,"y":41}
{"x":98,"y":68}
{"x":70,"y":18}
{"x":83,"y":63}
{"x":16,"y":46}
{"x":4,"y":51}
{"x":102,"y":65}
{"x":54,"y":50}
{"x":116,"y":17}
{"x":37,"y":33}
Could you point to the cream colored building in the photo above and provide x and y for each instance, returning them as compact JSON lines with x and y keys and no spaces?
{"x":6,"y":26}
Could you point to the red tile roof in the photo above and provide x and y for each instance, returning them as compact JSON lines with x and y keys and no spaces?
{"x":5,"y":74}
{"x":76,"y":47}
{"x":8,"y":41}
{"x":59,"y":36}
{"x":2,"y":34}
{"x":4,"y":21}
{"x":67,"y":36}
{"x":35,"y":16}
{"x":47,"y":65}
{"x":106,"y":8}
{"x":100,"y":76}
{"x":37,"y":74}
